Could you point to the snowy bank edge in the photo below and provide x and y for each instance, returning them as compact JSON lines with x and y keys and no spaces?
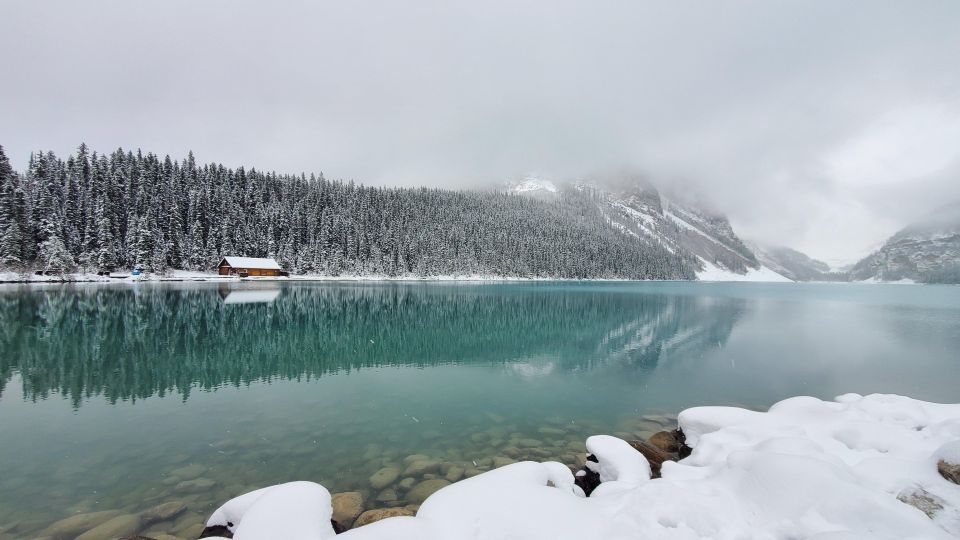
{"x":841,"y":469}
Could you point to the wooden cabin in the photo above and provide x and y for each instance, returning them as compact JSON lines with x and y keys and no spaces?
{"x":249,"y":266}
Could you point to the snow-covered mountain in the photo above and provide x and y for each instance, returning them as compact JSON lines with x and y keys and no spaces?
{"x":792,"y":263}
{"x":927,"y":251}
{"x":640,"y":210}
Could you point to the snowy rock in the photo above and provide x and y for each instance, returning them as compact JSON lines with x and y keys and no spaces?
{"x":293,"y":511}
{"x":922,"y":500}
{"x":857,"y":467}
{"x":346,"y":508}
{"x":948,"y":461}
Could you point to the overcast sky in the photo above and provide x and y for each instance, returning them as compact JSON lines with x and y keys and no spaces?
{"x":824,"y":126}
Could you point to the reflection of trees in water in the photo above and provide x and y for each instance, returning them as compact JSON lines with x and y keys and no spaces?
{"x":134,"y":343}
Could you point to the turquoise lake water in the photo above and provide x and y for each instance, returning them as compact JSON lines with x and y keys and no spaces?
{"x":122,"y":396}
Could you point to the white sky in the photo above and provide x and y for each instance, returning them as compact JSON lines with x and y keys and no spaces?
{"x":824,"y":126}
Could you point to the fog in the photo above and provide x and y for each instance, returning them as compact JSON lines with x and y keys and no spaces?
{"x":824,"y":126}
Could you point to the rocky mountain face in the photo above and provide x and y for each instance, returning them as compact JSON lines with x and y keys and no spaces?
{"x":639,"y":209}
{"x":927,"y":251}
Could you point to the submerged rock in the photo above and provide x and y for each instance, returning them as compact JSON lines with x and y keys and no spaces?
{"x":72,"y":526}
{"x":387,"y":496}
{"x":188,"y":472}
{"x":384,"y":477}
{"x":163,"y":512}
{"x":118,"y":527}
{"x":346,"y":508}
{"x":371,"y":516}
{"x":198,"y":484}
{"x":424,"y":489}
{"x":454,"y":473}
{"x":407,"y":483}
{"x":421,"y":467}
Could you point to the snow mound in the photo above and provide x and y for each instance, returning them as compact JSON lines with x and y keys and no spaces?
{"x":712,"y":272}
{"x":532,"y":183}
{"x":857,"y":467}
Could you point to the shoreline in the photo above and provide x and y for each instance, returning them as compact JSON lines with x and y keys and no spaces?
{"x":881,"y":465}
{"x":8,"y":278}
{"x":878,"y":466}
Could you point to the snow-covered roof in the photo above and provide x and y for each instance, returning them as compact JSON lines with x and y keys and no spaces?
{"x":252,"y":262}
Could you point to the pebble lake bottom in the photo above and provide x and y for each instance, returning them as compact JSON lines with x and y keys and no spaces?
{"x":116,"y":398}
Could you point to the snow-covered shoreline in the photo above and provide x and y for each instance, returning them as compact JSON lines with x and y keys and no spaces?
{"x":874,"y":466}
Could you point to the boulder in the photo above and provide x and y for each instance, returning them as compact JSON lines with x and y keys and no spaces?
{"x":162,"y":512}
{"x":665,"y":441}
{"x":72,"y":526}
{"x":407,"y":483}
{"x":529,"y":443}
{"x":424,"y":489}
{"x":371,"y":516}
{"x":655,"y":456}
{"x":421,"y":467}
{"x":384,"y":477}
{"x":500,"y":461}
{"x":387,"y":496}
{"x":192,"y":531}
{"x":188,"y":472}
{"x":415,"y":457}
{"x":950,"y":471}
{"x":454,"y":473}
{"x":346,"y":508}
{"x":922,"y":500}
{"x":118,"y":527}
{"x":197,"y":484}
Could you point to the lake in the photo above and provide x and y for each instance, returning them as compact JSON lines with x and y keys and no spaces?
{"x":122,"y":396}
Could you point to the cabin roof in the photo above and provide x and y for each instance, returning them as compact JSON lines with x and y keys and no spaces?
{"x":250,"y":262}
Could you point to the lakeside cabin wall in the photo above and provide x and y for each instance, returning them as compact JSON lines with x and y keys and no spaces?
{"x":254,"y":267}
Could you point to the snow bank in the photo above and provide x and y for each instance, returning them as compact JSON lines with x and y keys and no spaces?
{"x":712,"y":272}
{"x":805,"y":469}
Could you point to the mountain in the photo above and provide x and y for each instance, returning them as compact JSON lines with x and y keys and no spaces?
{"x":793,"y":264}
{"x":927,"y":251}
{"x":636,"y":208}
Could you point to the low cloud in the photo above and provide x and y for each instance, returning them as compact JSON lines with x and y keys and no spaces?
{"x":824,"y":126}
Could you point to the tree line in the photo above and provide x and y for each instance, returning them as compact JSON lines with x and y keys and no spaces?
{"x":128,"y":209}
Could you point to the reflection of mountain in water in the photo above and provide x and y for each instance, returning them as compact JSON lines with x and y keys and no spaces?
{"x":135,"y":343}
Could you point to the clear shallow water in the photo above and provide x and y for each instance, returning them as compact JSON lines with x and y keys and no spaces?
{"x":108,"y":392}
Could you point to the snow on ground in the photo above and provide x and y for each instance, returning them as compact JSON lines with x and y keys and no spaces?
{"x":904,"y":281}
{"x":713,"y":272}
{"x":824,"y":470}
{"x":532,"y":183}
